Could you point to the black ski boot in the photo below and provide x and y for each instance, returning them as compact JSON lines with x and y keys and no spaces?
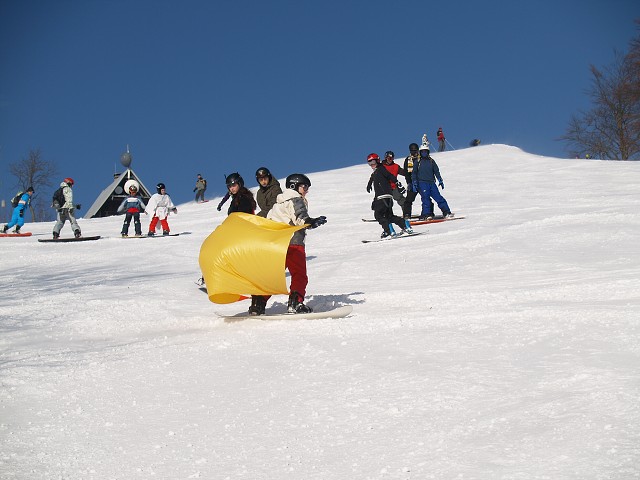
{"x":295,"y":304}
{"x":77,"y":234}
{"x":4,"y":229}
{"x":258,"y":305}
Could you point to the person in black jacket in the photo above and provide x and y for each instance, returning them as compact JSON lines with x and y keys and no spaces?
{"x":382,"y":204}
{"x":241,"y":198}
{"x":413,"y":157}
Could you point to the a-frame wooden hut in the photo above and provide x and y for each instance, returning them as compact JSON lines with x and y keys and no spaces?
{"x":111,"y":197}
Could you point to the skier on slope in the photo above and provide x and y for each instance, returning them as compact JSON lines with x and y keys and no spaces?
{"x":397,"y":190}
{"x":200,"y":188}
{"x":413,"y":157}
{"x":425,"y":172}
{"x":17,"y":218}
{"x":382,"y":204}
{"x":292,"y":208}
{"x":160,"y":205}
{"x":268,"y":191}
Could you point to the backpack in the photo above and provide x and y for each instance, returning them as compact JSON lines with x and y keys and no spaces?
{"x":16,"y":200}
{"x":58,"y":198}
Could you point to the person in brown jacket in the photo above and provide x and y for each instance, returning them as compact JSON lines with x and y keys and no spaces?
{"x":268,"y":191}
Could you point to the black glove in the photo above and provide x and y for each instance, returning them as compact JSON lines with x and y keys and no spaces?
{"x":368,"y":188}
{"x":78,"y":206}
{"x":219,"y":207}
{"x":194,"y":189}
{"x":316,"y":222}
{"x":441,"y":184}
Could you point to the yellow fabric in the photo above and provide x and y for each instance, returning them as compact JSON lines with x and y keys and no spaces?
{"x":245,"y":255}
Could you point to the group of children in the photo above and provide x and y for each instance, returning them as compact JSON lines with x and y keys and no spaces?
{"x":290,"y":207}
{"x":420,"y":171}
{"x":160,"y":206}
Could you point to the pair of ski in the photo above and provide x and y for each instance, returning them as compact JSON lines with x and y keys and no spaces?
{"x":415,"y":219}
{"x":437,"y":219}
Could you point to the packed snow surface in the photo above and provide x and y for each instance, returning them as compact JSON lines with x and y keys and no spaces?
{"x":502,"y":346}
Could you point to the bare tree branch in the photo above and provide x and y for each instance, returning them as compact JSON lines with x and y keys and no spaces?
{"x":35,"y":172}
{"x":611,"y":129}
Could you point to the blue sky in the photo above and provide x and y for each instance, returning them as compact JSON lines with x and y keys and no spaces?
{"x":214,"y":87}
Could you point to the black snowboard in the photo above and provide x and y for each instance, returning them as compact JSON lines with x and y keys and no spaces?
{"x":69,"y":239}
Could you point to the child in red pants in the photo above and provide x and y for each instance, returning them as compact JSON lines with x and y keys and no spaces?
{"x":160,"y":205}
{"x":291,"y":207}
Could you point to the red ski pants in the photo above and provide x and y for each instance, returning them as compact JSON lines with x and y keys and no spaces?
{"x":296,"y":263}
{"x":154,"y":222}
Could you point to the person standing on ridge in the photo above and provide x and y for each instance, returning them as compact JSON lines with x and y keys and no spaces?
{"x":441,"y":140}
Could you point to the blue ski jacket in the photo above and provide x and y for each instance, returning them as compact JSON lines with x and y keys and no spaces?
{"x":425,"y":170}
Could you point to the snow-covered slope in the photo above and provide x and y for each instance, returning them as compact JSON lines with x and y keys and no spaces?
{"x":504,"y":345}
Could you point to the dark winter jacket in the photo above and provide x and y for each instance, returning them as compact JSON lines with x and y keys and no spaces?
{"x":266,"y":196}
{"x":242,"y":202}
{"x":408,"y":168}
{"x":381,"y":181}
{"x":426,"y":170}
{"x":395,"y":170}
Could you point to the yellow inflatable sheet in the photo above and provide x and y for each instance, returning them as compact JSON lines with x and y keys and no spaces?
{"x":245,"y":256}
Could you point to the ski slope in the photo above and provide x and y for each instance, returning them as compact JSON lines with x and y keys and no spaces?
{"x":502,"y":346}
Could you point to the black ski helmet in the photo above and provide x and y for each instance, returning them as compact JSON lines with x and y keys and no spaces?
{"x":160,"y":186}
{"x":263,"y":172}
{"x":234,"y":178}
{"x":296,"y":179}
{"x":389,"y":154}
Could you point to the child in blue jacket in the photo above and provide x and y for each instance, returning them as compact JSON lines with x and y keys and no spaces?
{"x":132,"y":205}
{"x":17,"y":218}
